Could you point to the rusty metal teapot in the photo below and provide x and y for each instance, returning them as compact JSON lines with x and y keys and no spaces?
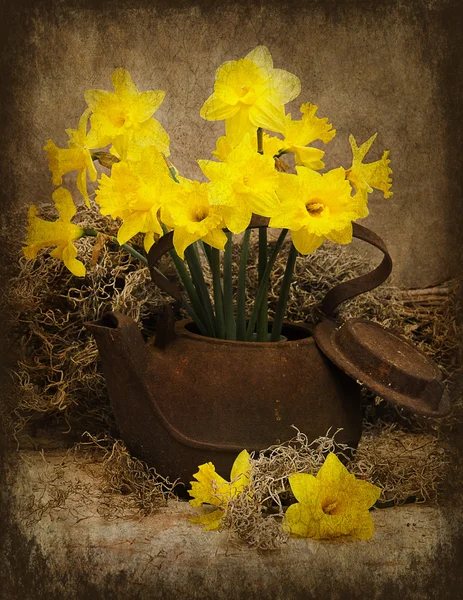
{"x":184,"y":399}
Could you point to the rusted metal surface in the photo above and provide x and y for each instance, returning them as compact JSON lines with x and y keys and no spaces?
{"x":386,"y":363}
{"x":202,"y":399}
{"x":157,"y":251}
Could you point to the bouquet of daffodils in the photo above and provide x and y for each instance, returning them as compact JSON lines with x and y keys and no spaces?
{"x":248,"y":183}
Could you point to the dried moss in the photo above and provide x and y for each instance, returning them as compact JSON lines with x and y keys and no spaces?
{"x":98,"y":472}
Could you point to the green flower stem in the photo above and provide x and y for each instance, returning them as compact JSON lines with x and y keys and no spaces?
{"x":133,"y":252}
{"x":198,"y":316}
{"x":213,"y":256}
{"x":93,"y":233}
{"x":260,"y":140}
{"x":241,"y":300}
{"x":228,"y":308}
{"x":184,"y":275}
{"x":196,"y":271}
{"x":284,"y":293}
{"x":263,"y":285}
{"x":173,"y":174}
{"x":262,"y":319}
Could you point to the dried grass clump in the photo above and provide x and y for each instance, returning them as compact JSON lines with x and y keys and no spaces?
{"x":141,"y":487}
{"x":407,"y":466}
{"x":101,"y":477}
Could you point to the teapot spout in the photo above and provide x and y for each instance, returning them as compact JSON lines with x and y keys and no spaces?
{"x":128,"y":367}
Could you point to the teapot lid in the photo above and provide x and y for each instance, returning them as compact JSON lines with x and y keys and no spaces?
{"x":379,"y":358}
{"x":386,"y":363}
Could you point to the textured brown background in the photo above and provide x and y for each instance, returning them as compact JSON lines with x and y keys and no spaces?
{"x":387,"y":66}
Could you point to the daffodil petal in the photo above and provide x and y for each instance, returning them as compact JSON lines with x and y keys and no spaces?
{"x":305,"y":242}
{"x":76,"y":267}
{"x":82,"y":186}
{"x":237,"y":126}
{"x":265,"y":205}
{"x":182,"y":239}
{"x":262,"y":57}
{"x":215,"y":109}
{"x":359,"y":153}
{"x":212,"y":170}
{"x":367,"y":493}
{"x":286,"y":85}
{"x":210,"y":520}
{"x":122,"y":82}
{"x":343,"y":236}
{"x":309,"y":157}
{"x":332,"y":470}
{"x":268,"y":114}
{"x":303,"y":486}
{"x":241,"y":465}
{"x":237,"y":220}
{"x":148,"y":241}
{"x":364,"y":527}
{"x":216,"y":238}
{"x":132,"y":225}
{"x":298,"y":521}
{"x":64,"y":203}
{"x":149,"y":102}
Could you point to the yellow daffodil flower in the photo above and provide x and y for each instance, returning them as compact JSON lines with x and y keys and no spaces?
{"x":124,"y":118}
{"x":192,"y":217}
{"x":250,"y":93}
{"x":135,"y":193}
{"x":271,"y":145}
{"x":76,"y":157}
{"x":364,"y":177}
{"x":60,"y":233}
{"x":243,"y":184}
{"x":298,"y":134}
{"x":315,"y":207}
{"x":332,"y":504}
{"x":211,"y":488}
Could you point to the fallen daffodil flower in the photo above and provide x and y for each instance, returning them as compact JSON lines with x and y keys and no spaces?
{"x":211,"y":488}
{"x":332,"y":504}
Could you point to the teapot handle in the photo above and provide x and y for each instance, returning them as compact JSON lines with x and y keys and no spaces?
{"x":164,"y":245}
{"x":349,"y":289}
{"x":340,"y":293}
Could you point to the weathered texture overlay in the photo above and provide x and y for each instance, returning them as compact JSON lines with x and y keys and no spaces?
{"x":385,"y":66}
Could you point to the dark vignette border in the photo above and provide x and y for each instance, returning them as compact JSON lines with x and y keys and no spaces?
{"x":24,"y":573}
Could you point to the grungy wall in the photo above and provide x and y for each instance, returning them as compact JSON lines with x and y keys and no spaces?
{"x":386,"y":67}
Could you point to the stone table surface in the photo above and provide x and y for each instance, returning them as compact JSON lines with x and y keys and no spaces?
{"x":73,"y":552}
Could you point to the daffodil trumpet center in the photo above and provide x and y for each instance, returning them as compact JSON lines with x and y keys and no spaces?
{"x":331,"y":507}
{"x":315,"y":207}
{"x":200,"y":214}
